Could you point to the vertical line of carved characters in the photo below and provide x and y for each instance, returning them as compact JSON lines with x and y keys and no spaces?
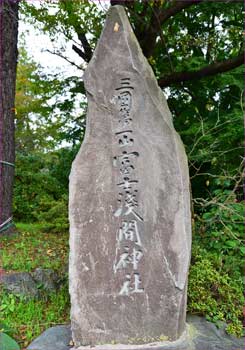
{"x":129,"y":250}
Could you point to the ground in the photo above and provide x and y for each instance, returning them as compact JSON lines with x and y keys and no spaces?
{"x":25,"y":251}
{"x":212,"y":293}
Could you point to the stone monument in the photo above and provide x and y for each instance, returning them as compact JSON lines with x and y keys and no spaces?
{"x":129,"y":206}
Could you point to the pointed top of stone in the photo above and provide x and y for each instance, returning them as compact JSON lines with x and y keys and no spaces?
{"x":118,"y":52}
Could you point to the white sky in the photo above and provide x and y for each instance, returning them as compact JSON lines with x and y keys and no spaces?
{"x":36,"y":43}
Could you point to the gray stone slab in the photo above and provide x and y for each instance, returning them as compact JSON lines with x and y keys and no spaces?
{"x":54,"y":338}
{"x":48,"y":279}
{"x":29,"y":284}
{"x":129,"y":203}
{"x":19,"y":283}
{"x":208,"y":337}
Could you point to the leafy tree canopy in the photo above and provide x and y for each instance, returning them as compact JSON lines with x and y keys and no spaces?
{"x":47,"y":108}
{"x":188,"y":44}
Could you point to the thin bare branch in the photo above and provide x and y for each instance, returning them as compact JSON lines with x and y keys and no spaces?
{"x":65,"y":58}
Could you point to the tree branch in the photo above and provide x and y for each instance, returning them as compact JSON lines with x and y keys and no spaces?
{"x":148,"y":37}
{"x":172,"y":11}
{"x":117,"y":2}
{"x":212,"y":69}
{"x":122,"y":2}
{"x":79,"y":52}
{"x":64,"y":57}
{"x":86,"y":46}
{"x":87,"y":52}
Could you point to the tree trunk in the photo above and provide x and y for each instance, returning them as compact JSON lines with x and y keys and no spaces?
{"x":8,"y":63}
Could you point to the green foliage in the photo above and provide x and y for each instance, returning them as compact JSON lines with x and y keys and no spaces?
{"x":8,"y":304}
{"x":8,"y":343}
{"x":211,"y":124}
{"x":221,"y":225}
{"x":49,"y":109}
{"x":41,"y":187}
{"x":29,"y":318}
{"x":25,"y":319}
{"x":207,"y":112}
{"x":67,"y":17}
{"x":55,"y":216}
{"x":205,"y":33}
{"x":214,"y":293}
{"x":31,"y":102}
{"x":41,"y":174}
{"x":216,"y":275}
{"x":59,"y":164}
{"x":5,"y":329}
{"x":44,"y":107}
{"x":33,"y":183}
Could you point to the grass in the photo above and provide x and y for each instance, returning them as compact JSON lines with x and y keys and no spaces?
{"x":25,"y":251}
{"x":27,"y":319}
{"x":31,"y":248}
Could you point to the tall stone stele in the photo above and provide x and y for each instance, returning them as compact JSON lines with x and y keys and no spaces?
{"x":129,"y":209}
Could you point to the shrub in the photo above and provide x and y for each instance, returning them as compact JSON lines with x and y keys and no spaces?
{"x":41,"y":188}
{"x":33,"y":184}
{"x":212,"y":292}
{"x":55,"y":217}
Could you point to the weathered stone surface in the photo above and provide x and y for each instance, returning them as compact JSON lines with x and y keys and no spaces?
{"x":48,"y":279}
{"x":29,"y":284}
{"x":19,"y":283}
{"x":129,"y":206}
{"x":182,"y":343}
{"x":55,"y":338}
{"x":207,"y":336}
